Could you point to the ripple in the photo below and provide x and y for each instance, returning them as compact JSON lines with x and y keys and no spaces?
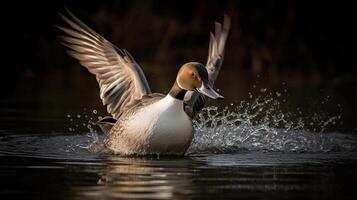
{"x":66,"y":146}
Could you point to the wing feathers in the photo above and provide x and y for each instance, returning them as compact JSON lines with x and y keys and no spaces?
{"x":194,"y":101}
{"x":120,"y":78}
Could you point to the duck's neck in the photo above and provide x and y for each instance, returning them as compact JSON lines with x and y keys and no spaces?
{"x":176,"y":92}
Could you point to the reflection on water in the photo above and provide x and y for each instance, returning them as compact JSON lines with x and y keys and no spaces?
{"x":144,"y":178}
{"x":60,"y":164}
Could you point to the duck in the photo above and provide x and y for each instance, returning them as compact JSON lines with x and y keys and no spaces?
{"x":142,"y":122}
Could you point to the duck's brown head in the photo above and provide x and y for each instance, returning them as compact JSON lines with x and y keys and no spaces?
{"x":193,"y":76}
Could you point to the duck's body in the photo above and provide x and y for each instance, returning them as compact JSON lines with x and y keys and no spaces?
{"x":143,"y":122}
{"x":158,"y":127}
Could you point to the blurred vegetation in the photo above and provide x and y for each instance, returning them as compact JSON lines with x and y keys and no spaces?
{"x":307,"y":47}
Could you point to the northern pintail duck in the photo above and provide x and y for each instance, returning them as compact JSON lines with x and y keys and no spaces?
{"x":143,"y":122}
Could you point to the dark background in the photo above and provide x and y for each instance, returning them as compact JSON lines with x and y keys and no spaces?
{"x":305,"y":49}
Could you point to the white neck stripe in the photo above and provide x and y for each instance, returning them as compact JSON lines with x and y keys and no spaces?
{"x":178,"y":83}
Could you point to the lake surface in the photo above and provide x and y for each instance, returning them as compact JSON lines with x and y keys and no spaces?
{"x":231,"y":157}
{"x":281,"y":143}
{"x":58,"y":166}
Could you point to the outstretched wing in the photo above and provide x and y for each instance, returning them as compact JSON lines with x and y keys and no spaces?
{"x":216,"y":48}
{"x":121,"y":80}
{"x":195,"y":101}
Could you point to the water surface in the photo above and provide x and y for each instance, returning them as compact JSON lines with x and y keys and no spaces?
{"x":60,"y":166}
{"x":253,"y":149}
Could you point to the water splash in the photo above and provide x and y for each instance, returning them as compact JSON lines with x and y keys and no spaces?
{"x":262,"y":125}
{"x":258,"y":124}
{"x":83,"y":122}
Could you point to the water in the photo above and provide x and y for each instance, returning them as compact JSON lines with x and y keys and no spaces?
{"x":251,"y":149}
{"x":59,"y":166}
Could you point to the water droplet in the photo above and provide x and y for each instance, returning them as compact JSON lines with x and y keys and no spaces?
{"x":100,"y":117}
{"x":70,"y":129}
{"x":78,"y":116}
{"x":278,"y":94}
{"x":84,"y":124}
{"x":85,"y":116}
{"x":263,"y":90}
{"x":95,"y":111}
{"x":69,"y":116}
{"x":260,"y":124}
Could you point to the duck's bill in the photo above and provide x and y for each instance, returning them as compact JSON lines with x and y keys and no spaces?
{"x":207,"y":90}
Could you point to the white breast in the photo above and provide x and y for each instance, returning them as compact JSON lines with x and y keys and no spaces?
{"x":160,"y":128}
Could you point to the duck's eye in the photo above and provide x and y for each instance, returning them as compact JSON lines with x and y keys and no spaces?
{"x":192,"y":74}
